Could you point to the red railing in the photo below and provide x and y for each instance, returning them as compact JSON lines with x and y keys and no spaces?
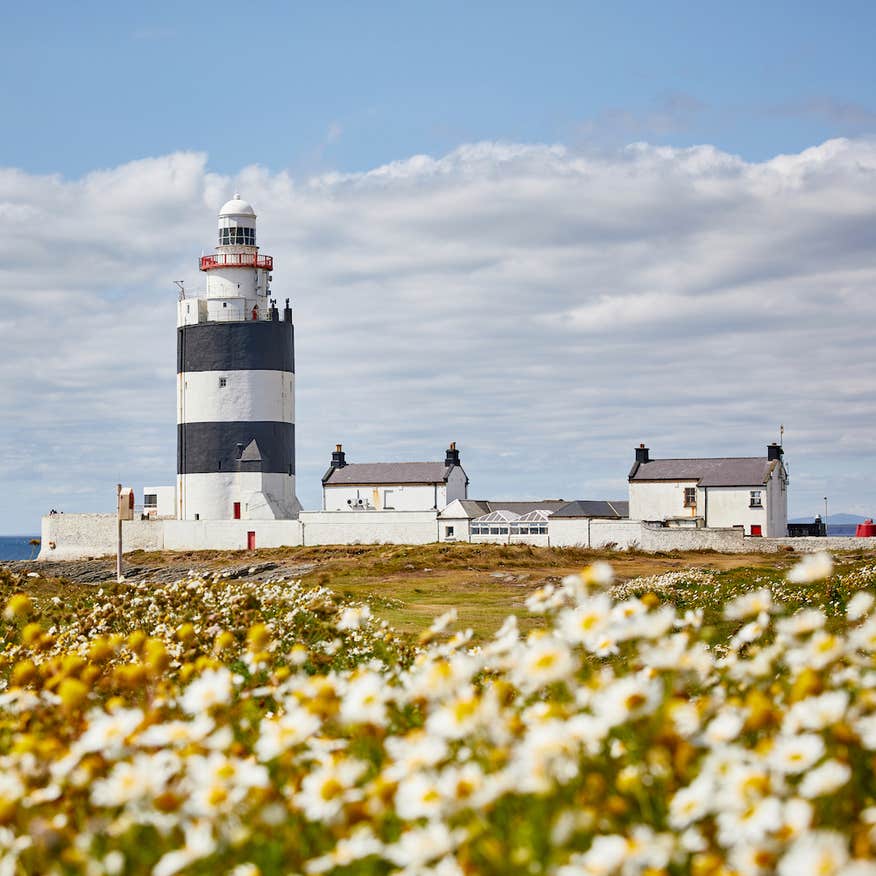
{"x":236,"y":260}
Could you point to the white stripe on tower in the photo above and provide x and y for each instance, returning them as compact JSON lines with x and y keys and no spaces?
{"x":219,"y":396}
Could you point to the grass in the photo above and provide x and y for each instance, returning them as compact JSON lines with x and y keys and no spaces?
{"x":409,"y":586}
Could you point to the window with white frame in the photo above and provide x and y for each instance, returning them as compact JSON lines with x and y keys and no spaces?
{"x":388,"y":500}
{"x":690,"y":497}
{"x":756,"y":499}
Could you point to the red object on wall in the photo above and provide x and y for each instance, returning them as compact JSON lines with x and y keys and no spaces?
{"x":237,"y":510}
{"x":250,"y":541}
{"x":867,"y":529}
{"x":756,"y":529}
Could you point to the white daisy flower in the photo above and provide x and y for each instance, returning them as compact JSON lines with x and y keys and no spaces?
{"x":813,"y":567}
{"x":825,"y":779}
{"x":212,"y":688}
{"x":794,"y":754}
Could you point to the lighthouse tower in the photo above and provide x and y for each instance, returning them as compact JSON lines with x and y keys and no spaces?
{"x":235,"y":385}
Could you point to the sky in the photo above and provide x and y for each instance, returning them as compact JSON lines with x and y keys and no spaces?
{"x":545,"y":231}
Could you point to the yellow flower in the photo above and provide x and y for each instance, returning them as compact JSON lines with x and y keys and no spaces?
{"x":18,"y":606}
{"x":136,"y":640}
{"x":100,"y":650}
{"x":223,"y":641}
{"x":23,"y":673}
{"x":185,"y":633}
{"x":155,"y":656}
{"x":72,"y":693}
{"x":31,"y":634}
{"x":259,"y":637}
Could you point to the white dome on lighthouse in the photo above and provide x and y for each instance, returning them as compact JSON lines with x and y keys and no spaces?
{"x":237,"y":207}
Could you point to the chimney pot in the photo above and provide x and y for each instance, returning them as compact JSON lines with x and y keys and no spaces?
{"x":452,"y":457}
{"x":774,"y":451}
{"x":339,"y":458}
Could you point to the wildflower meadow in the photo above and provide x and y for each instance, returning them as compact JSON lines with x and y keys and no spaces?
{"x":218,"y":725}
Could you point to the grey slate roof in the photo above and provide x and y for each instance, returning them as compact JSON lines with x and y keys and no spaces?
{"x":590,"y":508}
{"x":388,"y":473}
{"x":252,"y":452}
{"x":478,"y":507}
{"x":728,"y":471}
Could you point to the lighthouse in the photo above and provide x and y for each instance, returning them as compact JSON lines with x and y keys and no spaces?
{"x":235,"y":385}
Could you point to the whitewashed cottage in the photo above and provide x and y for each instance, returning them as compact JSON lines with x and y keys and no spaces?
{"x":393,"y":486}
{"x":750,"y":492}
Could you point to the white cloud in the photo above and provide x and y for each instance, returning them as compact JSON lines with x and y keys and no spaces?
{"x":546,"y":309}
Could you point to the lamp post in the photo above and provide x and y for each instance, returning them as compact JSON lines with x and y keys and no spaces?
{"x":825,"y":515}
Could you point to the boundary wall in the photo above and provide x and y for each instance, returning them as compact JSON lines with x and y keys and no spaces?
{"x":81,"y":536}
{"x":369,"y":527}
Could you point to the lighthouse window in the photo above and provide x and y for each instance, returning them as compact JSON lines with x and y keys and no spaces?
{"x":222,"y":381}
{"x":237,"y":236}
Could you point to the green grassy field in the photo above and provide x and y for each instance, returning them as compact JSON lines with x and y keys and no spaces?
{"x":409,"y":586}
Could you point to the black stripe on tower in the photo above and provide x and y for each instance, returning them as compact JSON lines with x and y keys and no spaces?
{"x":206,"y":448}
{"x":258,"y":345}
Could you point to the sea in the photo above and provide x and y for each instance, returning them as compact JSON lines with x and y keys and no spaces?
{"x":842,"y":528}
{"x":17,"y":547}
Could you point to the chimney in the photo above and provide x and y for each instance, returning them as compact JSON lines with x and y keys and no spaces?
{"x":774,"y":451}
{"x":452,"y":457}
{"x":339,"y":458}
{"x":642,"y":454}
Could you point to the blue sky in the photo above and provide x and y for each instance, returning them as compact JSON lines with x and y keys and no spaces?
{"x":311,"y":87}
{"x":546,"y":231}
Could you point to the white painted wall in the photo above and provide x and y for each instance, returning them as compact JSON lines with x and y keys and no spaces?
{"x":232,"y":282}
{"x":731,"y":506}
{"x":657,"y":500}
{"x":79,"y":536}
{"x":212,"y":495}
{"x":456,"y":487}
{"x":166,"y":498}
{"x":191,"y":311}
{"x":777,"y":505}
{"x":227,"y":309}
{"x":196,"y":535}
{"x":593,"y":532}
{"x":247,"y":395}
{"x":377,"y":497}
{"x":369,"y":527}
{"x":461,"y":527}
{"x":719,"y":506}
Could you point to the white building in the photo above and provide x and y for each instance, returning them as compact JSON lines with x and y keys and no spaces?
{"x":502,"y":522}
{"x":159,"y":502}
{"x":393,"y":486}
{"x":750,"y":492}
{"x":235,"y":385}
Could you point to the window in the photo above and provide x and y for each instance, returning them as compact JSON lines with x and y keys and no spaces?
{"x":690,"y":497}
{"x":237,"y":237}
{"x":756,"y":499}
{"x":387,"y":501}
{"x":150,"y":500}
{"x":448,"y":532}
{"x":222,"y":381}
